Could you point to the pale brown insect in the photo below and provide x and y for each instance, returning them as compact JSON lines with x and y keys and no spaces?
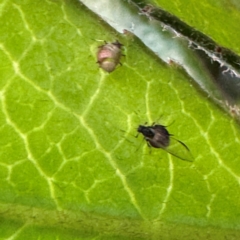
{"x":108,"y":56}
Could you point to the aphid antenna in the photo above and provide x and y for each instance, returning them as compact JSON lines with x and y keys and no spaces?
{"x":137,"y":134}
{"x":140,"y":144}
{"x":117,"y":42}
{"x":156,"y":123}
{"x":128,"y":140}
{"x":99,"y":40}
{"x":105,"y":42}
{"x":125,"y":137}
{"x":170,"y":124}
{"x":127,"y":132}
{"x":158,"y":119}
{"x":138,"y":114}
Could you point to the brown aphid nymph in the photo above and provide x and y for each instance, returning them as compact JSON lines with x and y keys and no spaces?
{"x":109,"y":56}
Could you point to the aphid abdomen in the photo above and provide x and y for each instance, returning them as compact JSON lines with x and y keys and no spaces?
{"x":103,"y":55}
{"x":161,"y":138}
{"x":159,"y":141}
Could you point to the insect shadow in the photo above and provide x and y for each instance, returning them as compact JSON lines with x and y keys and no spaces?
{"x":157,"y":136}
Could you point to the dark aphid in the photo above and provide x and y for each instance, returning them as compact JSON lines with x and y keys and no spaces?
{"x":109,"y":56}
{"x":157,"y":136}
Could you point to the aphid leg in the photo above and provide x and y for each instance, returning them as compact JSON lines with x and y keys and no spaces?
{"x":170,"y":123}
{"x":149,"y":145}
{"x":103,"y":44}
{"x":120,"y":62}
{"x":139,"y":144}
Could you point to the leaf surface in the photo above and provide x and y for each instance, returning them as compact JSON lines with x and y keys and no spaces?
{"x":71,"y":166}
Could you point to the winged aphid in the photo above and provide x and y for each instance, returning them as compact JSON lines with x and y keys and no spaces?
{"x":157,"y":136}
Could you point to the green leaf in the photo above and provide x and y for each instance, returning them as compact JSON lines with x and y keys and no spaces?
{"x":71,"y":166}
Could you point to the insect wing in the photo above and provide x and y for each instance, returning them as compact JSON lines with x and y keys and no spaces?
{"x":179,"y":150}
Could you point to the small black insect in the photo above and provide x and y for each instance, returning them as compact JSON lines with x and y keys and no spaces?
{"x":108,"y":56}
{"x":157,"y":136}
